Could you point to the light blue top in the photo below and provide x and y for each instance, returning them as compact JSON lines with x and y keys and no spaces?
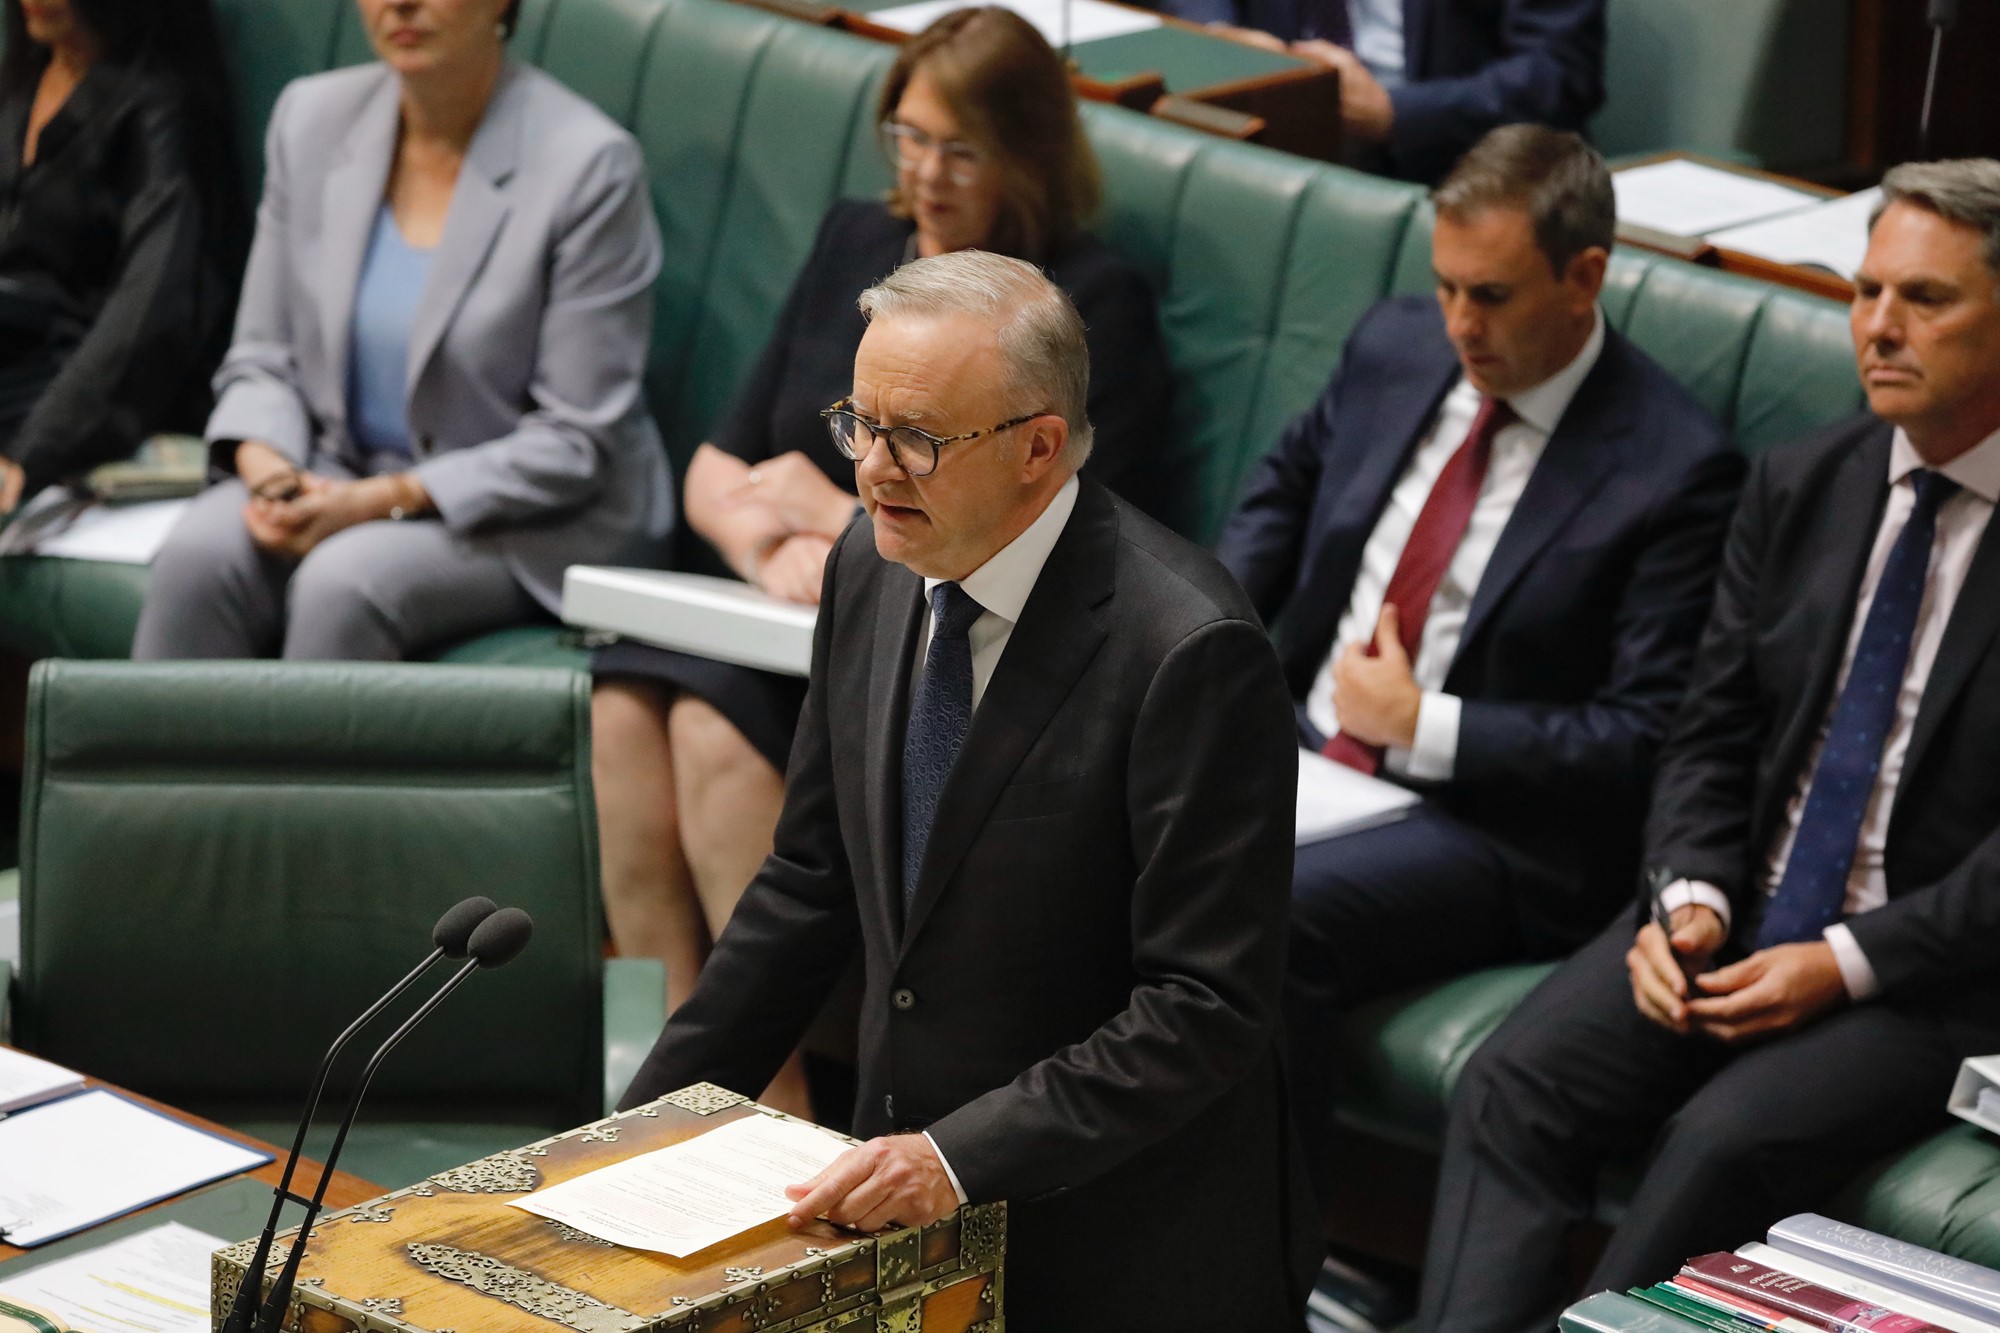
{"x":1378,"y":38}
{"x":378,"y":362}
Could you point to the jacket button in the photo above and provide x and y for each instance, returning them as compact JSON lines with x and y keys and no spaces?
{"x":904,"y":999}
{"x":425,"y":443}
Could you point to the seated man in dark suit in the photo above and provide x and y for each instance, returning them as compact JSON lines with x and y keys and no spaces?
{"x":1422,"y":80}
{"x":1825,"y":834}
{"x":1493,"y":540}
{"x":1043,"y":782}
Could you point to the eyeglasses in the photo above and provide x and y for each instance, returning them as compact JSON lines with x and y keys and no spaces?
{"x":908,"y":146}
{"x":915,"y":451}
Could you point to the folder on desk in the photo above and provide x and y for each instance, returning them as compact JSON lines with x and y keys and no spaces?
{"x":80,"y":1160}
{"x":26,"y":1081}
{"x":693,"y":613}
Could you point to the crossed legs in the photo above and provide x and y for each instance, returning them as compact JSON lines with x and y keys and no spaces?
{"x":686,"y":808}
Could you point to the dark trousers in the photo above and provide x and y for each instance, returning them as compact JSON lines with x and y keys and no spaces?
{"x":1741,"y":1137}
{"x":1420,"y":900}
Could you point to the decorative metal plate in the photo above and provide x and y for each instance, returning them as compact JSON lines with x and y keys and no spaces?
{"x":982,"y":1232}
{"x":502,"y":1173}
{"x":538,"y":1296}
{"x":704,"y":1099}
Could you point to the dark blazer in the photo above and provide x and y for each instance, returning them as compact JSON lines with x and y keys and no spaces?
{"x":1081,"y":1006}
{"x":1581,"y":633}
{"x":1763,"y":684}
{"x":114,"y":289}
{"x":1470,"y":66}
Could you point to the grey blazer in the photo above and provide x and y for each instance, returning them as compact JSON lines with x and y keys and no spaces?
{"x":527,"y":415}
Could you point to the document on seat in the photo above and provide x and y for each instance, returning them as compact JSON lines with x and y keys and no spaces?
{"x":154,"y":1282}
{"x":697,"y":1193}
{"x":65,"y":526}
{"x":1059,"y":21}
{"x":69,"y":1164}
{"x":709,"y":617}
{"x":1684,"y":198}
{"x":1335,"y":799}
{"x":1832,"y":235}
{"x":25,"y":1081}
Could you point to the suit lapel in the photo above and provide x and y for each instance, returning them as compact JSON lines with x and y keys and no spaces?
{"x":478,"y":211}
{"x":1852,"y":501}
{"x":1581,"y":453}
{"x":1058,"y":634}
{"x":352,"y":199}
{"x":898,"y":618}
{"x":1975,"y":618}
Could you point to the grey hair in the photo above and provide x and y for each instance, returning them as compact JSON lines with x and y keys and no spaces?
{"x":1038,"y":330}
{"x":1965,"y":191}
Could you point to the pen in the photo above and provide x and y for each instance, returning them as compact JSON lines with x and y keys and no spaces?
{"x":1657,"y":881}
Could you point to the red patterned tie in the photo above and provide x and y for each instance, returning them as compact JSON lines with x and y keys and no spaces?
{"x":1433,"y":542}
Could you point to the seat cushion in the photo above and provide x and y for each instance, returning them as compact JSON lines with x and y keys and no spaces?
{"x":1944,"y":1194}
{"x":1400,"y":1056}
{"x":69,"y":608}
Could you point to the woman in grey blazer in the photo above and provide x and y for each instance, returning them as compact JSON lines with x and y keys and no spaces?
{"x":432,"y":405}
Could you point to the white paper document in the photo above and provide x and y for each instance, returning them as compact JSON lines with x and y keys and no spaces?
{"x":1684,"y":198}
{"x":24,"y":1080}
{"x":697,"y":1193}
{"x":69,"y":1164}
{"x":1832,"y":236}
{"x":154,"y":1282}
{"x":1087,"y":20}
{"x":57,"y":523}
{"x":724,"y":619}
{"x":1335,"y":799}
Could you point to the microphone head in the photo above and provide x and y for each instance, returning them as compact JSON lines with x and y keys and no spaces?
{"x":454,"y":929}
{"x":499,"y":939}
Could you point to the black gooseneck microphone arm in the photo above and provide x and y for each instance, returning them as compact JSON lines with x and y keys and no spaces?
{"x":1940,"y":14}
{"x":495,"y":943}
{"x":450,"y":936}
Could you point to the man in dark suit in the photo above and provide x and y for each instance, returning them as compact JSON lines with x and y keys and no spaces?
{"x":1493,"y":540}
{"x":1422,"y":80}
{"x":1044,"y":779}
{"x":1825,"y":834}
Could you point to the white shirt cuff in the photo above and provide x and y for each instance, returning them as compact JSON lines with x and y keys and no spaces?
{"x":1855,"y":970}
{"x":1433,"y":752}
{"x":949,"y":1174}
{"x":1696,"y":893}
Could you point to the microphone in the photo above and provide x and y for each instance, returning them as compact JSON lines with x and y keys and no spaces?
{"x":1941,"y":14}
{"x":450,"y":938}
{"x":495,"y":942}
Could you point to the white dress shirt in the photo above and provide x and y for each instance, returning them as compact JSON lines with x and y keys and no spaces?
{"x":1433,"y":756}
{"x":1961,"y":522}
{"x":1377,"y":26}
{"x":1001,"y":586}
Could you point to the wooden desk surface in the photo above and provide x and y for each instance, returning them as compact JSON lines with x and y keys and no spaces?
{"x":343,"y":1191}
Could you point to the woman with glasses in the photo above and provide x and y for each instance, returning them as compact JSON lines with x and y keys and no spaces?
{"x":978,"y":119}
{"x":432,"y":405}
{"x":122,"y":230}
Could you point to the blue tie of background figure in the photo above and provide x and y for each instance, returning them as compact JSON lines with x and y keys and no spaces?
{"x":1814,"y":887}
{"x":940,"y":714}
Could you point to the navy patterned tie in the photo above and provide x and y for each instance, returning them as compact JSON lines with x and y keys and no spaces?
{"x":940,"y":714}
{"x":1813,"y":889}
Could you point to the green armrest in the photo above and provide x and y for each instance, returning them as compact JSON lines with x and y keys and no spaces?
{"x":1400,"y":1056}
{"x":1944,"y":1193}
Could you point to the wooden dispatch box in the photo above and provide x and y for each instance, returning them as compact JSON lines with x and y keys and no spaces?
{"x":449,"y":1255}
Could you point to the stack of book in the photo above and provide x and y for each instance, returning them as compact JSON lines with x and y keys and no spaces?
{"x":1815,"y":1275}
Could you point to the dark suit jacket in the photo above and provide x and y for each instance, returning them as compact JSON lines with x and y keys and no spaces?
{"x":1081,"y":1006}
{"x":1762,"y":687}
{"x":1582,"y":631}
{"x":1470,"y":66}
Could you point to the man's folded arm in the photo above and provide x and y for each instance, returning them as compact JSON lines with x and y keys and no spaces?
{"x":1614,"y":739}
{"x":790,"y":937}
{"x":1213,"y":772}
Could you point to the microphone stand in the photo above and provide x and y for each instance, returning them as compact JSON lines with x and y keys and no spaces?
{"x":240,"y":1312}
{"x":1942,"y":14}
{"x":271,"y":1319}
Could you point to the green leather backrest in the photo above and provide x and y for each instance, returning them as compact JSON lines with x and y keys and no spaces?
{"x":753,"y":124}
{"x":223,"y":863}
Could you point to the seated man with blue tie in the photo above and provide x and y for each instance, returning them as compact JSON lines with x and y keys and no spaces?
{"x":1493,"y":541}
{"x":1825,"y":835}
{"x":1422,"y":80}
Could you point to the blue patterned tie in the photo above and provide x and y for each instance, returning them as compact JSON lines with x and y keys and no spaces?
{"x":1813,"y":889}
{"x":940,"y":713}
